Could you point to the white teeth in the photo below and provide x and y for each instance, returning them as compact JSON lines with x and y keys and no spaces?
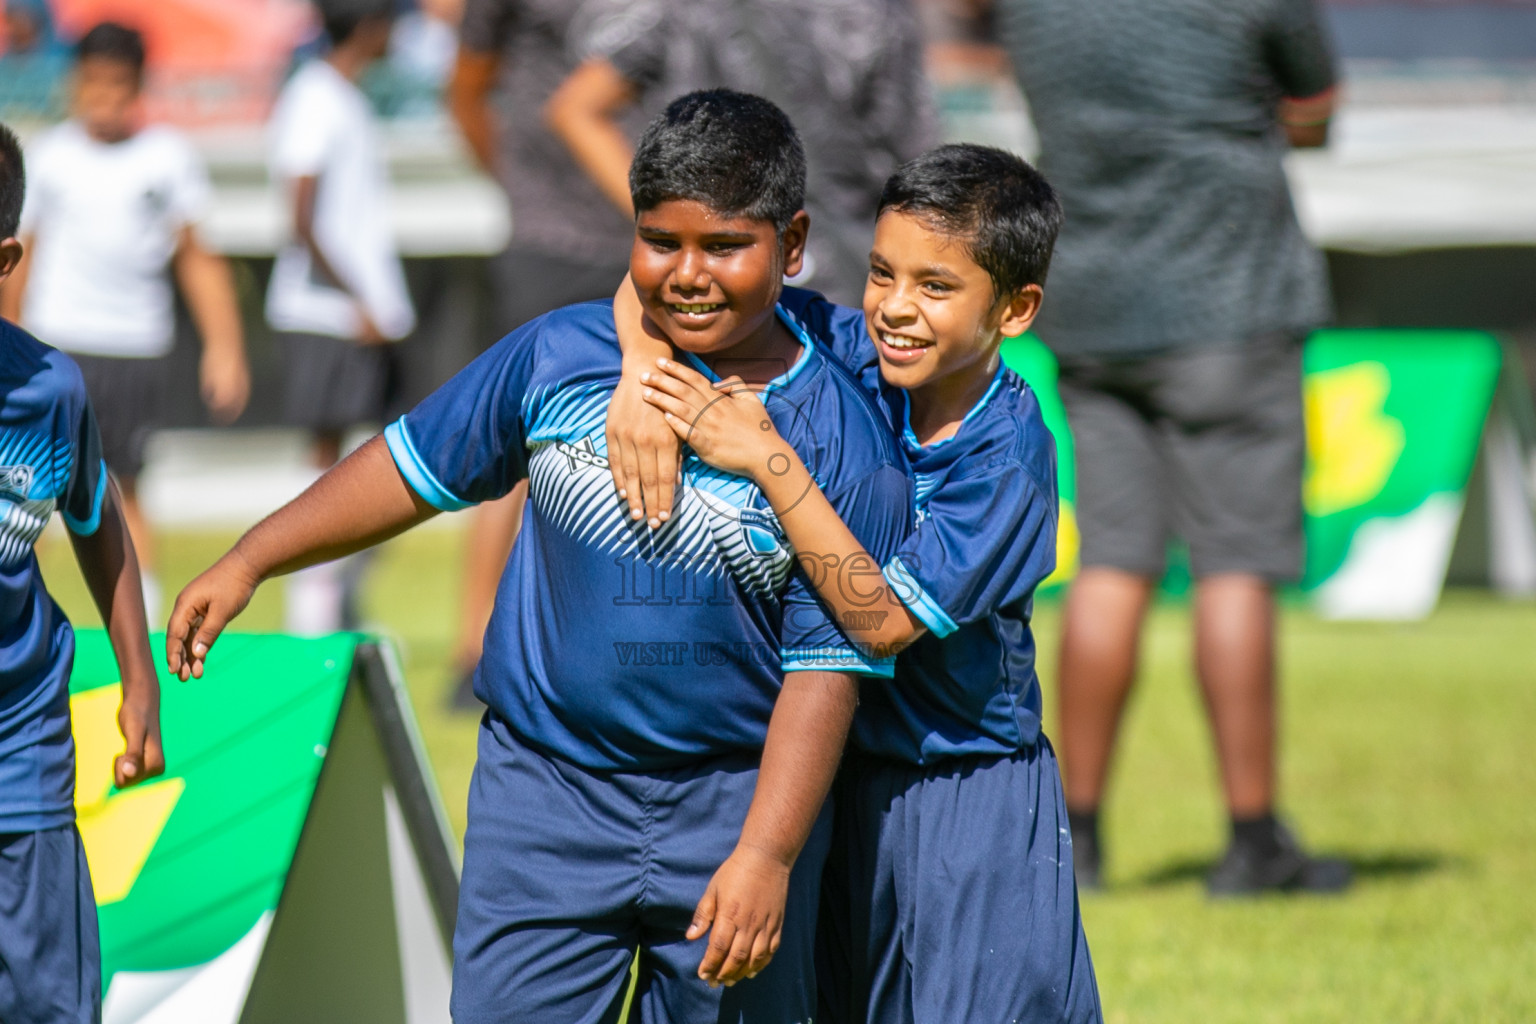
{"x":899,"y":341}
{"x":696,"y":307}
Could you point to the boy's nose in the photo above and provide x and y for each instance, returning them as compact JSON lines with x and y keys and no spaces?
{"x":690,"y":274}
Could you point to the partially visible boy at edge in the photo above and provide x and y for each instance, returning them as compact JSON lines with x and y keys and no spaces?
{"x":954,"y":787}
{"x":114,"y":204}
{"x":50,"y":458}
{"x":663,"y":706}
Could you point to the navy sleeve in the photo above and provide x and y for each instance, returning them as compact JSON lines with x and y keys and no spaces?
{"x":839,"y":328}
{"x":1298,"y":50}
{"x":467,"y":441}
{"x":987,"y":541}
{"x":87,"y":485}
{"x":878,"y":511}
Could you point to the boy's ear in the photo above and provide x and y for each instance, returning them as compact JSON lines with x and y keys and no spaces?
{"x":10,"y":255}
{"x":793,"y":244}
{"x":1020,"y":311}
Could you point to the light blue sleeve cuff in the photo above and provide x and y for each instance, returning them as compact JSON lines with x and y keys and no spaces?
{"x":415,"y":471}
{"x":88,"y":526}
{"x":928,"y":611}
{"x":835,"y":659}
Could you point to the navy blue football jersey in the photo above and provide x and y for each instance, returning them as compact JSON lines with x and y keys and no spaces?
{"x":612,"y":645}
{"x":50,"y":459}
{"x":985,"y":539}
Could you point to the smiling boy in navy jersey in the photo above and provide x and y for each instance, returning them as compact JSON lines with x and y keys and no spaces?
{"x":50,"y":460}
{"x":667,"y":708}
{"x":955,"y":788}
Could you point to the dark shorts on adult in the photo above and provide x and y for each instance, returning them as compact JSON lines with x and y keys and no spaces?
{"x":530,"y":282}
{"x":957,"y":896}
{"x":331,"y":384}
{"x":567,"y":871}
{"x":126,"y":396}
{"x":1205,"y":444}
{"x":50,"y":953}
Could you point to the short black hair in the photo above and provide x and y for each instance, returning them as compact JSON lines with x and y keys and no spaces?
{"x":13,"y":183}
{"x":734,"y":152}
{"x":112,"y":41}
{"x":1005,"y":211}
{"x":341,"y":18}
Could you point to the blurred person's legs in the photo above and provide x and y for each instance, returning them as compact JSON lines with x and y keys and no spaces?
{"x":1206,"y":444}
{"x":330,"y":386}
{"x":127,"y":396}
{"x":528,"y":283}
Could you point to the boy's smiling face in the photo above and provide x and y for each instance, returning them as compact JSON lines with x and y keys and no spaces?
{"x":710,"y":281}
{"x":930,"y":308}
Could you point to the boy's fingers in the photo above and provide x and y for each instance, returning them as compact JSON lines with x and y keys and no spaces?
{"x":126,"y":770}
{"x":703,"y":915}
{"x":666,"y":403}
{"x":720,"y":938}
{"x":738,"y":958}
{"x":762,"y":952}
{"x":615,"y":466}
{"x":669,"y":386}
{"x":648,"y":483}
{"x":687,"y":374}
{"x":666,"y":481}
{"x":214,"y":621}
{"x":154,"y":757}
{"x":631,"y":487}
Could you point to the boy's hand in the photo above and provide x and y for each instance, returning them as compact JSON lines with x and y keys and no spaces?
{"x":743,"y":911}
{"x":202,"y":611}
{"x":139,"y":721}
{"x":368,"y":332}
{"x":225,"y":383}
{"x":725,"y":424}
{"x":642,"y":453}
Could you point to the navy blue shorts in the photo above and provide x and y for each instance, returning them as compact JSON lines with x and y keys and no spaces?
{"x":568,"y":871}
{"x":50,"y":956}
{"x":950,"y":896}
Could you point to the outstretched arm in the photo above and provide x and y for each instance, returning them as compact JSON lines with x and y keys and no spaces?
{"x":361,"y":501}
{"x":743,"y":907}
{"x":728,"y":427}
{"x":111,"y":572}
{"x":210,"y":293}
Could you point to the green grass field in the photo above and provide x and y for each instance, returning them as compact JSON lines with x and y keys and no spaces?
{"x":1407,"y":749}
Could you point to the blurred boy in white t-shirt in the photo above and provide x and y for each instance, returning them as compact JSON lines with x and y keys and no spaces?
{"x":338,"y":294}
{"x":111,"y":205}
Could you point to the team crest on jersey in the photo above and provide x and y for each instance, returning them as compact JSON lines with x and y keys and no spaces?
{"x":581,"y":454}
{"x":16,"y":481}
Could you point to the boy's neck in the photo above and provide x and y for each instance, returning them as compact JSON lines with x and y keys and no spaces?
{"x":112,"y":136}
{"x":765,"y":354}
{"x":936,"y":410}
{"x":350,"y":63}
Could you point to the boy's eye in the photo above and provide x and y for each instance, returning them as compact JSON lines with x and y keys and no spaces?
{"x":936,"y":287}
{"x":662,"y":244}
{"x":879,"y":273}
{"x":724,"y":248}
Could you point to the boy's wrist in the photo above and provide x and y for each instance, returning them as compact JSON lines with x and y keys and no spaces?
{"x":773,"y":854}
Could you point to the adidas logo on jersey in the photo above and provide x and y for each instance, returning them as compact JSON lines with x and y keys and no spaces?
{"x":16,"y":480}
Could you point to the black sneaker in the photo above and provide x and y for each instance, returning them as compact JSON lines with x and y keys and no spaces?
{"x":1286,"y":867}
{"x":1086,"y":859}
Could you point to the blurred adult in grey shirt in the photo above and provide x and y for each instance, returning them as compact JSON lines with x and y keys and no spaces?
{"x":568,"y":243}
{"x":849,"y":73}
{"x":1181,"y":288}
